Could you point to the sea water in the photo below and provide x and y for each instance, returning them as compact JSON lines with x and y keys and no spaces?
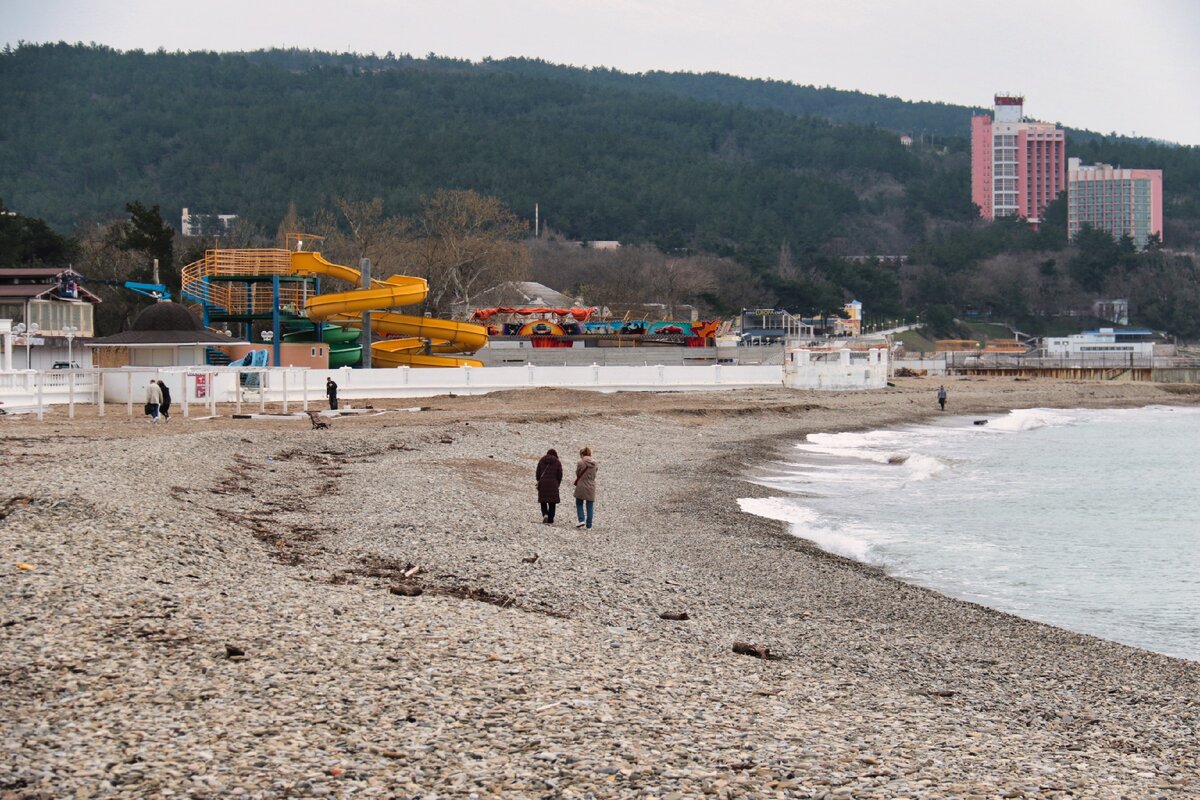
{"x":1085,"y":519}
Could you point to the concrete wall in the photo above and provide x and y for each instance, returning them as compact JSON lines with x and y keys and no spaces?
{"x":837,"y":370}
{"x":1175,"y":375}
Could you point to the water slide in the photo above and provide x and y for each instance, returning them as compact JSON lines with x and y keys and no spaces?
{"x":423,"y":336}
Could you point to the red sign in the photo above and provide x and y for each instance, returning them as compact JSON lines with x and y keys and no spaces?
{"x":201,"y":386}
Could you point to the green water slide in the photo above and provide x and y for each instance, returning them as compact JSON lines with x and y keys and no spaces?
{"x":344,"y":347}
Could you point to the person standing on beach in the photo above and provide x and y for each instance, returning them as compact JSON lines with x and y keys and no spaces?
{"x":549,"y":478}
{"x":942,"y":397}
{"x":165,"y":407}
{"x":585,"y":487}
{"x":153,"y":400}
{"x":331,"y":393}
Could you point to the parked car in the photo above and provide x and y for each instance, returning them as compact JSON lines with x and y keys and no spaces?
{"x":65,"y":365}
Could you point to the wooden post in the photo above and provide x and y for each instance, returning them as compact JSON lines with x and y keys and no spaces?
{"x":212,"y":393}
{"x":285,"y":397}
{"x":262,"y":391}
{"x":100,"y":393}
{"x":129,"y":393}
{"x":40,"y":407}
{"x":71,"y":394}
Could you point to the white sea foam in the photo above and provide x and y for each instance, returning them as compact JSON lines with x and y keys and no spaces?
{"x":1028,"y":419}
{"x":806,"y":523}
{"x":921,"y":467}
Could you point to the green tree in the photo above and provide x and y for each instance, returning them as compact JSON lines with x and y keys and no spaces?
{"x":1097,"y":255}
{"x":146,"y":233}
{"x":24,"y":240}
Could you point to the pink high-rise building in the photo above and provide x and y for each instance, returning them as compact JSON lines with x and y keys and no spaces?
{"x":1122,"y":202}
{"x":1017,"y":165}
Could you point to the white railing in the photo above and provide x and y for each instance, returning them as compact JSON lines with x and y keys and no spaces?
{"x":34,"y":390}
{"x":202,"y":388}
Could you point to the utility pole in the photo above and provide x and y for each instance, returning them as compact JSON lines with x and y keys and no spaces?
{"x":536,"y":211}
{"x":365,"y":336}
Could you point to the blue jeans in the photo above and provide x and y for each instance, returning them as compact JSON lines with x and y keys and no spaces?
{"x":579,"y":506}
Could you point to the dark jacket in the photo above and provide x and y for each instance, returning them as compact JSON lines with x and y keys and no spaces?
{"x":549,"y":476}
{"x":166,"y":393}
{"x":330,"y":389}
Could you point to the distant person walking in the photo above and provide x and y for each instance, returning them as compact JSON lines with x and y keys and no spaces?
{"x":165,"y":407}
{"x":585,"y":487}
{"x":942,"y":397}
{"x":331,"y":393}
{"x":153,"y":400}
{"x":549,"y":478}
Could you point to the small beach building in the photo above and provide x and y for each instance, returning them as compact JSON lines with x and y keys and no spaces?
{"x":51,"y":315}
{"x":1104,"y":342}
{"x":165,"y":334}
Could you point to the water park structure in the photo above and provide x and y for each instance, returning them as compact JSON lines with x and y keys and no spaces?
{"x":281,"y":287}
{"x":544,"y":326}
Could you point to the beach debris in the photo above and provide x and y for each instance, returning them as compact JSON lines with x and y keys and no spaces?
{"x":679,"y":616}
{"x":232,"y":651}
{"x":411,"y":570}
{"x":748,"y":649}
{"x":898,"y":458}
{"x":13,"y":504}
{"x":406,"y":590}
{"x":531,"y":559}
{"x":981,"y":422}
{"x":24,"y":566}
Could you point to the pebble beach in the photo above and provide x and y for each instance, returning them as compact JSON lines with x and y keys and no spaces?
{"x":254,"y":608}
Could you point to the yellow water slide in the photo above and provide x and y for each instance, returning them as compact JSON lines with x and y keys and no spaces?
{"x":423,"y":335}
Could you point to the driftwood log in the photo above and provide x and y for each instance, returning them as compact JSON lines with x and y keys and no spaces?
{"x":675,"y":615}
{"x":406,"y":590}
{"x":748,"y":649}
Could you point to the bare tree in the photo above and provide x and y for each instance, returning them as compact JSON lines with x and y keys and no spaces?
{"x":359,"y":229}
{"x":465,"y":242}
{"x":678,"y":282}
{"x":103,"y":259}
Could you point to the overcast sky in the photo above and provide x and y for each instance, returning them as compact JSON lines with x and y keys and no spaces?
{"x":1130,"y":67}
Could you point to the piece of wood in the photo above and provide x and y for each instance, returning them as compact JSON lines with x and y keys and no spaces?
{"x":406,"y":590}
{"x":748,"y":649}
{"x":680,"y":616}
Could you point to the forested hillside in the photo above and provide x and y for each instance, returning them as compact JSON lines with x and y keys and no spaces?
{"x":88,"y":129}
{"x":776,"y":182}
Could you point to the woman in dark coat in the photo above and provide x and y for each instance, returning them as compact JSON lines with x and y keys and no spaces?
{"x":549,"y":476}
{"x":164,"y":408}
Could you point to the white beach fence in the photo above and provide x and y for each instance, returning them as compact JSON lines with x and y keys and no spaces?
{"x":202,"y":387}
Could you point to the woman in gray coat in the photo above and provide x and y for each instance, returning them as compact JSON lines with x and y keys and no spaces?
{"x":585,"y":487}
